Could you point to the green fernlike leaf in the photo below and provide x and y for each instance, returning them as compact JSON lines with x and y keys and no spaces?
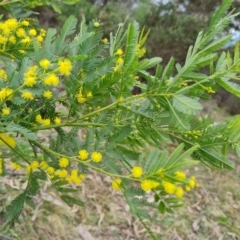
{"x":11,"y":127}
{"x":14,"y":210}
{"x":120,"y":135}
{"x":182,"y":165}
{"x":186,"y":104}
{"x":71,"y":200}
{"x":178,"y":157}
{"x":149,"y":63}
{"x":68,"y":28}
{"x":178,"y":117}
{"x":132,"y":38}
{"x":211,"y":157}
{"x":229,"y":86}
{"x":168,"y":69}
{"x":155,"y":160}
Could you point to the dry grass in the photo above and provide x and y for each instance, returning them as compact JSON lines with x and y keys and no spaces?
{"x":211,"y":212}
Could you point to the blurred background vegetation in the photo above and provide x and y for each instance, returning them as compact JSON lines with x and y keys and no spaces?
{"x":174,"y":24}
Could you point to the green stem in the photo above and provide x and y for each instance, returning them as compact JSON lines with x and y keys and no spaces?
{"x":72,"y":124}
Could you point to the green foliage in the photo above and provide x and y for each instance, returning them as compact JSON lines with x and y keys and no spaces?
{"x":78,"y":91}
{"x":22,"y":9}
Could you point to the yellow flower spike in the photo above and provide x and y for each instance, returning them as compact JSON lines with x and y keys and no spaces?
{"x":44,"y":63}
{"x":12,"y":39}
{"x":51,"y":79}
{"x":116,"y":184}
{"x":8,"y":139}
{"x":179,"y":192}
{"x":15,"y":166}
{"x":25,"y":23}
{"x":6,"y":93}
{"x":89,"y":94}
{"x":57,"y":120}
{"x":43,"y":165}
{"x":96,"y":157}
{"x":3,"y":40}
{"x":12,"y":23}
{"x":192,"y":183}
{"x":148,"y":185}
{"x":6,"y":111}
{"x":169,"y":187}
{"x":30,"y":81}
{"x":180,"y":175}
{"x":83,"y":154}
{"x":188,"y":189}
{"x":39,"y":38}
{"x":46,"y":122}
{"x":119,"y":52}
{"x":65,"y":67}
{"x":137,"y":172}
{"x":32,"y":32}
{"x":50,"y":170}
{"x":20,"y":32}
{"x":61,"y":173}
{"x":76,"y":180}
{"x":119,"y":60}
{"x":105,"y":41}
{"x":96,"y":24}
{"x":3,"y":74}
{"x":27,"y":95}
{"x":74,"y":172}
{"x":43,"y":32}
{"x":39,"y":118}
{"x":47,"y":94}
{"x":81,"y":98}
{"x":34,"y":165}
{"x":63,"y":162}
{"x":26,"y":39}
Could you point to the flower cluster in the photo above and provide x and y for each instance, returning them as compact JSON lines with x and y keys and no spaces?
{"x":194,"y":134}
{"x":95,"y":156}
{"x":161,"y":182}
{"x":119,"y":59}
{"x":82,"y":97}
{"x":62,"y":172}
{"x":140,"y":51}
{"x":209,"y":90}
{"x":43,"y":76}
{"x":17,"y":32}
{"x":170,"y":187}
